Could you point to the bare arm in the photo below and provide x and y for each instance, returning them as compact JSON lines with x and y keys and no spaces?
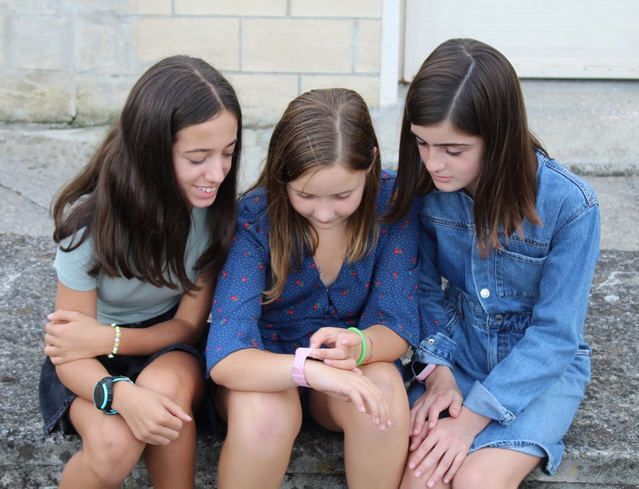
{"x":345,"y":347}
{"x":262,"y":371}
{"x":73,"y":334}
{"x":152,"y":417}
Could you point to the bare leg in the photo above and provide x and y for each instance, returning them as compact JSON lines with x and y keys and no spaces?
{"x":494,"y":468}
{"x":373,"y":458}
{"x":109,"y":449}
{"x":262,"y":427}
{"x":177,"y":375}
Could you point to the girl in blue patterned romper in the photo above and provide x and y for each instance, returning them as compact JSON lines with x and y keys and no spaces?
{"x":143,"y":231}
{"x":516,"y":237}
{"x":313,"y":265}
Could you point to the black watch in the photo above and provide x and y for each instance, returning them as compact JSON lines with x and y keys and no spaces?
{"x":103,"y":393}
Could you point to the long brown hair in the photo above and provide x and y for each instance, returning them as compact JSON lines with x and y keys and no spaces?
{"x":318,"y":129}
{"x":127,"y":199}
{"x":473,"y":86}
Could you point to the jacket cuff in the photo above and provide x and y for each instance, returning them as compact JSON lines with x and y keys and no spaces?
{"x":437,"y":349}
{"x":481,"y":401}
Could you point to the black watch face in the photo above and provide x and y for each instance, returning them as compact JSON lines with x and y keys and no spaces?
{"x":100,"y":395}
{"x":417,"y":367}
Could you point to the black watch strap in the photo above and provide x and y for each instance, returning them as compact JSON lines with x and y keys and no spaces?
{"x":103,"y":393}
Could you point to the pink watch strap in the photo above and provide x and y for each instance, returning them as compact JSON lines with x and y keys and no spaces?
{"x":428,"y":369}
{"x":297,"y":369}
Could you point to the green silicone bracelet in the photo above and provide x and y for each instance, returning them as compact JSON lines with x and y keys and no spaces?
{"x":362,"y":336}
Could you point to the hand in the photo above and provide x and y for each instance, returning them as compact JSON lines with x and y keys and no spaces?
{"x":152,"y":417}
{"x":345,"y":347}
{"x":71,"y":335}
{"x":446,"y":446}
{"x":441,"y":393}
{"x":350,"y":386}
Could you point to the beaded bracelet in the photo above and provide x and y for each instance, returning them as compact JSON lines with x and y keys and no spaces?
{"x":362,"y":336}
{"x":116,"y":341}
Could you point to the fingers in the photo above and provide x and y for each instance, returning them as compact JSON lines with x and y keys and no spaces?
{"x":322,"y":336}
{"x":419,"y":413}
{"x":455,"y":406}
{"x":442,"y":468}
{"x":63,"y":315}
{"x":454,"y":467}
{"x":417,"y":458}
{"x":177,"y":411}
{"x":441,"y":403}
{"x":417,"y":439}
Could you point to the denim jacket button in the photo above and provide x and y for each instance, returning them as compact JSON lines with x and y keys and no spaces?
{"x":431,"y":341}
{"x":499,"y":317}
{"x":484,"y":293}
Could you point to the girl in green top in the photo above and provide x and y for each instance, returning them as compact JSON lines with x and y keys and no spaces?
{"x":142,"y":231}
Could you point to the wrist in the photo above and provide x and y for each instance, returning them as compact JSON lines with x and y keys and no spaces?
{"x":105,"y":343}
{"x":362,"y":355}
{"x":298,"y":373}
{"x":121,"y":392}
{"x":440,"y":374}
{"x":474,"y":422}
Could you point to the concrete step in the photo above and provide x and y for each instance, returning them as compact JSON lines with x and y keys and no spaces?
{"x":602,"y":445}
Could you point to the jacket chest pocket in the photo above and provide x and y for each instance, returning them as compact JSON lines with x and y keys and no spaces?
{"x":518,"y":275}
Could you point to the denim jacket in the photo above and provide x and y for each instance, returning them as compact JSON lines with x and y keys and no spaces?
{"x":542,"y":278}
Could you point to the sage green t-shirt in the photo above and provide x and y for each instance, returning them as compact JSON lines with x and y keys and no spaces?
{"x":125,"y":301}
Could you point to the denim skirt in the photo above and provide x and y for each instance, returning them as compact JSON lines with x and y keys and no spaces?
{"x":55,"y":398}
{"x":539,"y":428}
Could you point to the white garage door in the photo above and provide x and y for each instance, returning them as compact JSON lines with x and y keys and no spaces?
{"x":542,"y":39}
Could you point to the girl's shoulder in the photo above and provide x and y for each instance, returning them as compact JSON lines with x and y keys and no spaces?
{"x":252,"y":205}
{"x":252,"y":215}
{"x":386,"y":188}
{"x":559,"y":188}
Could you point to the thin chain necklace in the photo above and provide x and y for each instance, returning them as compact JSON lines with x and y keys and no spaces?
{"x":320,"y":261}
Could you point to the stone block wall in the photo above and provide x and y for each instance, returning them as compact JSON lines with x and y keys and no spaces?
{"x":74,"y":61}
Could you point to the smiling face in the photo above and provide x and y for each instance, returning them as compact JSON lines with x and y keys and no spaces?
{"x":202,"y":156}
{"x":327,"y":196}
{"x":452,"y":158}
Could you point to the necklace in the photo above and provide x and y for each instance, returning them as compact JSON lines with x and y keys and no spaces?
{"x":324,"y":262}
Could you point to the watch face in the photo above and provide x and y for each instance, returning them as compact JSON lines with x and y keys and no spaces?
{"x":417,"y":367}
{"x":100,"y":395}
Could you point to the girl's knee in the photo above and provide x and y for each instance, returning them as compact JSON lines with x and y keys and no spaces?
{"x":474,"y":476}
{"x":178,"y":384}
{"x":388,"y":379}
{"x":264,"y":418}
{"x":112,"y":453}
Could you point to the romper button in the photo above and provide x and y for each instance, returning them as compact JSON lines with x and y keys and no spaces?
{"x":485,"y":293}
{"x":431,"y":341}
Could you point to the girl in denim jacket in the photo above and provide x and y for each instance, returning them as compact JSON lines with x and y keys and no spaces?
{"x":516,"y":237}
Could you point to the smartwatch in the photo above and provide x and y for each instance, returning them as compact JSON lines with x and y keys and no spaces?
{"x":103,"y":393}
{"x":297,"y":369}
{"x":421,"y":370}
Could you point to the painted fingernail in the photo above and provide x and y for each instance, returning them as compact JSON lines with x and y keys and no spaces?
{"x":389,"y":423}
{"x":418,"y":473}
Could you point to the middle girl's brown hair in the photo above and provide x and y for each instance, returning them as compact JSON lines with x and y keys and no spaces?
{"x":318,"y":129}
